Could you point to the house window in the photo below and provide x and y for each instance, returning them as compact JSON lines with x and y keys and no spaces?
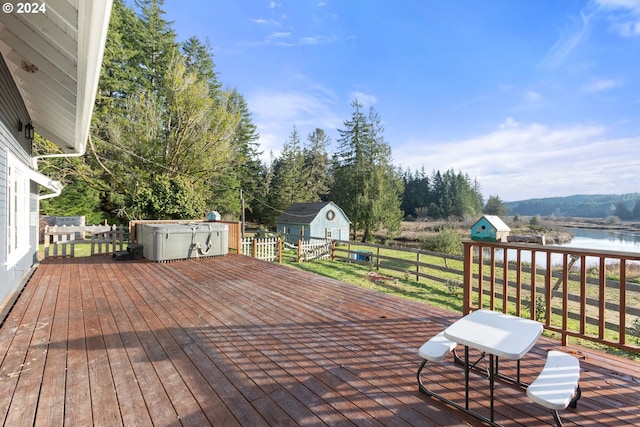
{"x":17,"y":210}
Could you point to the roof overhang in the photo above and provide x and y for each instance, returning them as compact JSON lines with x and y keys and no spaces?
{"x":55,"y":58}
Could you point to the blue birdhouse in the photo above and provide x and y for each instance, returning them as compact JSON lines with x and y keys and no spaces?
{"x":490,"y":228}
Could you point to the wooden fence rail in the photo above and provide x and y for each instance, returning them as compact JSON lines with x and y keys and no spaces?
{"x":60,"y":241}
{"x":410,"y":262}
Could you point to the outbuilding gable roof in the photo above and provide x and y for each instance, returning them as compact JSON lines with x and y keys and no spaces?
{"x":496,"y":222}
{"x":304,"y":213}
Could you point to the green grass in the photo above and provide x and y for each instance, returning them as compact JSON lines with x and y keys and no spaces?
{"x":383,"y":280}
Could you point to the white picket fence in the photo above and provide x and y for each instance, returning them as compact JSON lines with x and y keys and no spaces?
{"x":313,"y":249}
{"x":265,"y":248}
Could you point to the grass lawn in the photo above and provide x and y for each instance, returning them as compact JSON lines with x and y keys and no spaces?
{"x":446,"y":296}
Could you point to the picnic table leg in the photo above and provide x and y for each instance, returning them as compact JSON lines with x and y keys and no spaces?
{"x":466,"y":377}
{"x":491,"y":383}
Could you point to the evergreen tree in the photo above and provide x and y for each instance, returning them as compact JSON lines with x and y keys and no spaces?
{"x":495,"y":206}
{"x":121,"y":75}
{"x":287,"y":186}
{"x":622,"y":211}
{"x":365,"y":184}
{"x":635,"y":213}
{"x":157,"y":44}
{"x":199,"y":61}
{"x":316,"y":166}
{"x":245,"y":170}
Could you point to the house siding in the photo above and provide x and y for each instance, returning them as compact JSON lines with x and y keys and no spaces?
{"x":317,"y":226}
{"x":13,"y":110}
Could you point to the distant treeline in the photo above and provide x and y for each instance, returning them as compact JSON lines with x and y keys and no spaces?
{"x":624,"y":206}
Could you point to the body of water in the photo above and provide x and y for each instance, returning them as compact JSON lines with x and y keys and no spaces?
{"x":622,"y":241}
{"x":625,"y":241}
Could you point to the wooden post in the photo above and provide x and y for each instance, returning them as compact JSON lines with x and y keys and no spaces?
{"x":378,"y":258}
{"x":418,"y":267}
{"x":467,"y":277}
{"x":299,"y":250}
{"x":333,"y":250}
{"x":255,"y":247}
{"x":279,"y":251}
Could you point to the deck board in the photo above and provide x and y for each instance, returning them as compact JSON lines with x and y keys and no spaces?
{"x":237,"y":341}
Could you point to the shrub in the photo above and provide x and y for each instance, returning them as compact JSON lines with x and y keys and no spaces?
{"x":453,"y":286}
{"x":446,"y":241}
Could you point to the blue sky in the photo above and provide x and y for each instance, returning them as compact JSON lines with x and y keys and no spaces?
{"x":534,"y":98}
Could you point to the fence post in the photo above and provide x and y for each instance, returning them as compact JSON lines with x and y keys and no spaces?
{"x":255,"y":247}
{"x":299,"y":250}
{"x":333,"y":250}
{"x":46,"y":241}
{"x":279,"y":251}
{"x":418,"y":267}
{"x":378,"y":258}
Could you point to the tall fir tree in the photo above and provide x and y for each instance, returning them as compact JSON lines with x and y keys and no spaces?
{"x":287,"y":186}
{"x":199,"y":61}
{"x":365,"y":184}
{"x":157,"y":44}
{"x":315,"y":173}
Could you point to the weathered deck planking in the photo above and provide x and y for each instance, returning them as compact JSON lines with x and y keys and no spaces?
{"x":237,"y":341}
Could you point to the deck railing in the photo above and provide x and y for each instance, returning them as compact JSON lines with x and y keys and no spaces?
{"x":587,"y":294}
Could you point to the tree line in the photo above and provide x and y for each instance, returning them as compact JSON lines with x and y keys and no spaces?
{"x":169,"y":141}
{"x":622,"y":206}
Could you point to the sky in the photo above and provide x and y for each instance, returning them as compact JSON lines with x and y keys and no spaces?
{"x":533,"y":98}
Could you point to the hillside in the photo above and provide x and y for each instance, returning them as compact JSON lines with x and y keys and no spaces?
{"x":581,"y":205}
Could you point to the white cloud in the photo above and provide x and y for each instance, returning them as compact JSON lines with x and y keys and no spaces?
{"x":533,"y":95}
{"x":510,"y":123}
{"x":624,"y":15}
{"x":628,"y":29}
{"x":279,"y":35}
{"x":520,"y":161}
{"x":365,"y":99}
{"x":599,"y":85}
{"x":569,"y":40}
{"x":630,"y":5}
{"x":275,"y":113}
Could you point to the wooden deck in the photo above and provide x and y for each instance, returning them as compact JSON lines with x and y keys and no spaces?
{"x":237,"y":341}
